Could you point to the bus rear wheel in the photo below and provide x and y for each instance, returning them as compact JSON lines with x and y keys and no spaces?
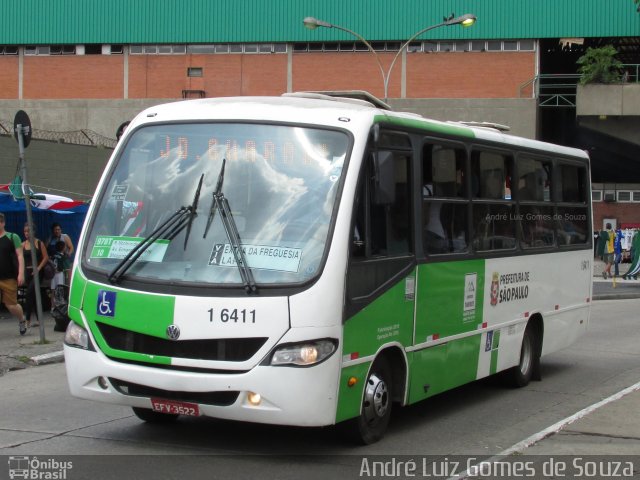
{"x":521,"y":374}
{"x":150,"y":416}
{"x":372,"y":423}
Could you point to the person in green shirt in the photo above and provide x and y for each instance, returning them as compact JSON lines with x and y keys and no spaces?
{"x":11,"y":272}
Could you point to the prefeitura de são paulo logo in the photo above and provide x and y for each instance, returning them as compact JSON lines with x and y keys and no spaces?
{"x":495,"y":288}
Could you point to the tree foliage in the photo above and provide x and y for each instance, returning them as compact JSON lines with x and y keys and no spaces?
{"x":599,"y":65}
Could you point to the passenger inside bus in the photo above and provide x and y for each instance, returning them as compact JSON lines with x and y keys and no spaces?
{"x":444,"y":221}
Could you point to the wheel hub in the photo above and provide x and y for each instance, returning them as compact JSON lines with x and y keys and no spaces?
{"x":376,"y":398}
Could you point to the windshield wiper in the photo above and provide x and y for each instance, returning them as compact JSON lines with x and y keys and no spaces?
{"x":219,"y":202}
{"x":192,"y":213}
{"x":183,"y":217}
{"x":216,"y":192}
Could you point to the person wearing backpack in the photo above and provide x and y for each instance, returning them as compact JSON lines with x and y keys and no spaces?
{"x":41,"y":258}
{"x":52,"y":241}
{"x":11,"y":273}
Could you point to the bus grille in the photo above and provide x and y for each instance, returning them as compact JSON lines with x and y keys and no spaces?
{"x":222,"y":399}
{"x":221,"y":349}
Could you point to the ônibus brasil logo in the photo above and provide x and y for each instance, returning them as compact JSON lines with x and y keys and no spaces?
{"x":34,"y":468}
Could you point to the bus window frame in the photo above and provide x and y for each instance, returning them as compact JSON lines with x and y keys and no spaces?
{"x":458,"y":200}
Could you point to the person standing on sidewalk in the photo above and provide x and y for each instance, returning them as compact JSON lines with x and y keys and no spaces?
{"x":609,"y":238}
{"x":52,"y":242}
{"x":41,"y":258}
{"x":11,"y":273}
{"x":617,"y":250}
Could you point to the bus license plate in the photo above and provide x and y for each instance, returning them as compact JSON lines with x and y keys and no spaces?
{"x":175,"y":407}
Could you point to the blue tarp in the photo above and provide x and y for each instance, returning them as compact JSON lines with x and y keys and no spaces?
{"x":16,"y":216}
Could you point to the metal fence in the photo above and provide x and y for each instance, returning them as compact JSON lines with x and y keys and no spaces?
{"x":74,"y":137}
{"x":560,"y":90}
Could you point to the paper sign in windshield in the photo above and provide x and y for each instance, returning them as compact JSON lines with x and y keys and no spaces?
{"x":260,"y":257}
{"x":119,"y":247}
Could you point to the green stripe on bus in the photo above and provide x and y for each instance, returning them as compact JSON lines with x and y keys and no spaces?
{"x":350,"y":398}
{"x":387,"y":319}
{"x":442,"y":367}
{"x":78,"y":283}
{"x":426,"y":125}
{"x":450,"y":299}
{"x":137,"y":312}
{"x":449,"y":302}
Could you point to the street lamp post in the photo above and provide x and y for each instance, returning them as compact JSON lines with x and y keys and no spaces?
{"x":465,"y":20}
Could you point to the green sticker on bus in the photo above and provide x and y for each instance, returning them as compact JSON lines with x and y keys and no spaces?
{"x":119,"y":247}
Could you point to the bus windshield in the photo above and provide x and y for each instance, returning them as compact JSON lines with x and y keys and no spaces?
{"x":163,"y":203}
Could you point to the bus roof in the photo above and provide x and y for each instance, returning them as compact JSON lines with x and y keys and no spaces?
{"x":330,"y":108}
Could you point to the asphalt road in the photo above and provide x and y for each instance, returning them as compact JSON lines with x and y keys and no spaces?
{"x":39,"y":417}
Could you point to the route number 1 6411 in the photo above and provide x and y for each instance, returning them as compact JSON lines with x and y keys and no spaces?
{"x":233,"y":315}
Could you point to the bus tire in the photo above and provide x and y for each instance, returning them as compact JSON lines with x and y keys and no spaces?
{"x":372,"y":423}
{"x":150,"y":416}
{"x":522,"y":374}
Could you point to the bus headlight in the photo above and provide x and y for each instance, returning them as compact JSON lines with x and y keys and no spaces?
{"x":304,"y":354}
{"x":76,"y":336}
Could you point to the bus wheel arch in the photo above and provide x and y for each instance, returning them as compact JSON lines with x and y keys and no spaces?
{"x":528,"y":367}
{"x":398,"y":363}
{"x":385,"y":385}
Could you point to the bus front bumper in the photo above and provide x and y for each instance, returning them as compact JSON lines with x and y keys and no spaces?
{"x":288,"y":395}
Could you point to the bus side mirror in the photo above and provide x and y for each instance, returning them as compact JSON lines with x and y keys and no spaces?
{"x":384,"y":185}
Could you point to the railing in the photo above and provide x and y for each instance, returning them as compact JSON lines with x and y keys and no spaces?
{"x":631,"y":73}
{"x":559,"y":90}
{"x":552,"y":90}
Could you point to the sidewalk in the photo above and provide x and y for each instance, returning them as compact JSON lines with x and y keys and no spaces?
{"x":613,"y":289}
{"x":17,"y":352}
{"x":611,"y":427}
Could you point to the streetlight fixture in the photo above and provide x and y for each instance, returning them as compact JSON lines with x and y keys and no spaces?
{"x":465,"y":20}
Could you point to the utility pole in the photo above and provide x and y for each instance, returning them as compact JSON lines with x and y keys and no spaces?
{"x":23,"y":131}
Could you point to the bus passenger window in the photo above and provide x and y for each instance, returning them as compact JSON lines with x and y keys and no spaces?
{"x":534,"y":180}
{"x":493,"y":227}
{"x":491,"y":178}
{"x":443,"y":171}
{"x":537,"y":226}
{"x":383,"y":230}
{"x":444,"y":222}
{"x":444,"y":227}
{"x":390,"y":224}
{"x":572,"y":183}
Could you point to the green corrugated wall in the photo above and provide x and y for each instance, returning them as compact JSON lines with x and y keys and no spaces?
{"x":209,"y":21}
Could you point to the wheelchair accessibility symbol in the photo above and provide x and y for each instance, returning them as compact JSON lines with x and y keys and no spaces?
{"x":106,"y":303}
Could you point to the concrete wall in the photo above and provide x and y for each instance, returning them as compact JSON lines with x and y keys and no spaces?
{"x":618,"y":99}
{"x":101,"y":116}
{"x":104,"y":116}
{"x":69,"y":170}
{"x":518,"y":113}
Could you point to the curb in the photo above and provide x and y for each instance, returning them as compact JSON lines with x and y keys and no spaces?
{"x":46,"y":358}
{"x":616,"y":296}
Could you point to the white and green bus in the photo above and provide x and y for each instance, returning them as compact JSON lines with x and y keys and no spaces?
{"x":309,"y":260}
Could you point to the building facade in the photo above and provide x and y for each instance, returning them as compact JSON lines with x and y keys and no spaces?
{"x":88,"y":65}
